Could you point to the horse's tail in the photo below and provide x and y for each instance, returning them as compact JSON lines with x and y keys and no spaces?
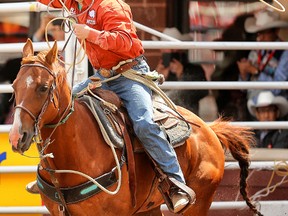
{"x":238,"y":140}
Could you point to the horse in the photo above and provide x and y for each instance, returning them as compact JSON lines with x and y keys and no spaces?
{"x":43,"y":97}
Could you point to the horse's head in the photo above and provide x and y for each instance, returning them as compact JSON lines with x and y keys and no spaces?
{"x":36,"y":95}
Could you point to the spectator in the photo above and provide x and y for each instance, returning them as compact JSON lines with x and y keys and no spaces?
{"x":55,"y":29}
{"x":267,"y":107}
{"x":232,"y":103}
{"x":174,"y":65}
{"x":265,"y":65}
{"x":168,"y":54}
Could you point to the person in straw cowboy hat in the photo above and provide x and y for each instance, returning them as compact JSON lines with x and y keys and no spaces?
{"x":265,"y":65}
{"x":267,"y":107}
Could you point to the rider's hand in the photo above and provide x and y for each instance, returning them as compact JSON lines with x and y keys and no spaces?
{"x":81,"y":31}
{"x":245,"y":67}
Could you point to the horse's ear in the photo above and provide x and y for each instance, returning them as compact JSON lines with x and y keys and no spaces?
{"x":28,"y":48}
{"x":52,"y":54}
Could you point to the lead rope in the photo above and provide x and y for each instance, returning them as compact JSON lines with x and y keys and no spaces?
{"x":62,"y":208}
{"x":118,"y":165}
{"x":148,"y":81}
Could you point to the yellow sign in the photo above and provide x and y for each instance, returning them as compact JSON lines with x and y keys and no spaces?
{"x":12,"y":185}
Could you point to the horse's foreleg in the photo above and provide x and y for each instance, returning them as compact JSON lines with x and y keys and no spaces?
{"x":204,"y":198}
{"x":204,"y":186}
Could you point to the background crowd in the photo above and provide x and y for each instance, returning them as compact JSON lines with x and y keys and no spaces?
{"x":236,"y":65}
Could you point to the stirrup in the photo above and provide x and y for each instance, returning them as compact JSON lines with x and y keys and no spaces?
{"x":179,"y":199}
{"x":32,"y":187}
{"x":177,"y":196}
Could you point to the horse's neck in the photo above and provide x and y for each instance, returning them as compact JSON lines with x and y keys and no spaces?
{"x":78,"y":144}
{"x":65,"y":99}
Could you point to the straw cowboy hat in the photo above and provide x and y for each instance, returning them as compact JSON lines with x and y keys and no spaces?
{"x":266,"y":98}
{"x":263,"y":20}
{"x":175,"y":33}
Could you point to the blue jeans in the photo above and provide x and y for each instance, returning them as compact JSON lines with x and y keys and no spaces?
{"x":138,"y":102}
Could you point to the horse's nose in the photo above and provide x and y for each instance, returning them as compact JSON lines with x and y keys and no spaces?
{"x":19,"y":142}
{"x":15,"y":136}
{"x":14,"y":139}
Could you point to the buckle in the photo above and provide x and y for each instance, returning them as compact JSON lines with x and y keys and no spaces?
{"x":105,"y":73}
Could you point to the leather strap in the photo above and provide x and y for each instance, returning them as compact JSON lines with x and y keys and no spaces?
{"x":165,"y":184}
{"x":125,"y":67}
{"x":130,"y":158}
{"x":76,"y":193}
{"x":62,"y":202}
{"x":107,"y":73}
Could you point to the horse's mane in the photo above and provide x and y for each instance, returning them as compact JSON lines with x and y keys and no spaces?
{"x":57,"y":68}
{"x":40,"y":57}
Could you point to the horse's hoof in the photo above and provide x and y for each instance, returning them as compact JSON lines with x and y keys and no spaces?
{"x":32,"y":187}
{"x":179,"y":200}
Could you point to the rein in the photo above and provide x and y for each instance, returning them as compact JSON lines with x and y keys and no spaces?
{"x":62,"y":121}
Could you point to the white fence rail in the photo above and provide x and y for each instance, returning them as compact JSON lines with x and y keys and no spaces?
{"x":17,"y":47}
{"x":23,"y":210}
{"x":6,"y":88}
{"x":22,"y":7}
{"x":254,"y":125}
{"x":268,"y":206}
{"x":263,"y":165}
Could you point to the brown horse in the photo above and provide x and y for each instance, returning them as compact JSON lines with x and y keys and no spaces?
{"x":42,"y":96}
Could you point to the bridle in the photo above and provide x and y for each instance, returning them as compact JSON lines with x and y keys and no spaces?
{"x":37,"y":134}
{"x":37,"y":119}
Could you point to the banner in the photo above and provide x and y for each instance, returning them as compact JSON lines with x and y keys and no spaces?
{"x":12,"y":185}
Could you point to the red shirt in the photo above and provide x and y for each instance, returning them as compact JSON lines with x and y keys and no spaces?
{"x":117,"y":40}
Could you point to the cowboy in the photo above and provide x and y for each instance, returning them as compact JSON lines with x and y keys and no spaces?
{"x":265,"y":65}
{"x":113,"y":47}
{"x":267,"y":107}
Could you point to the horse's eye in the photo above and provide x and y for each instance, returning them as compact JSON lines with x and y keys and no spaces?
{"x":43,"y":88}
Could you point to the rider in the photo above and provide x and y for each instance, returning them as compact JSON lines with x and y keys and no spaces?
{"x":111,"y":40}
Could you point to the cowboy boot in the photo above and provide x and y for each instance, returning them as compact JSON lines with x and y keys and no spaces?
{"x":179,"y":199}
{"x":32,"y":187}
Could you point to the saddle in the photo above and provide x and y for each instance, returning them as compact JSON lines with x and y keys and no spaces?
{"x":108,"y":110}
{"x":113,"y":118}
